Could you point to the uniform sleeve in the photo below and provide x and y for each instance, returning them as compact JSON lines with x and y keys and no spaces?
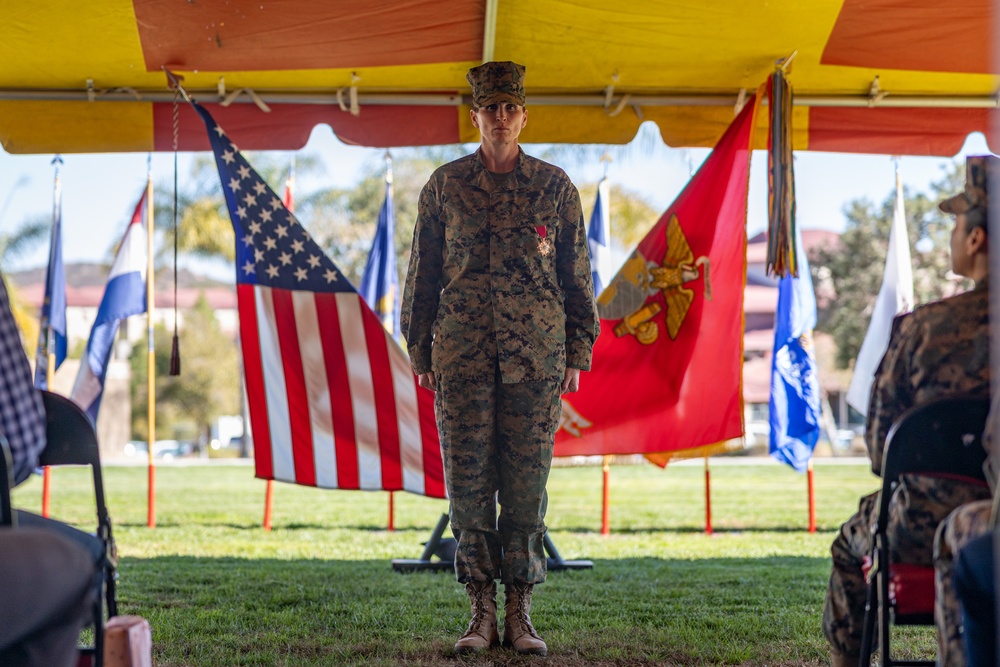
{"x":891,"y":393}
{"x":422,"y":291}
{"x":573,"y":267}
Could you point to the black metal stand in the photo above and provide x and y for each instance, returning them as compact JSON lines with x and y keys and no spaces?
{"x":444,"y":549}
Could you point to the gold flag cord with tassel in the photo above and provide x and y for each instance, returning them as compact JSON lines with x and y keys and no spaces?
{"x":175,"y":349}
{"x":781,"y":259}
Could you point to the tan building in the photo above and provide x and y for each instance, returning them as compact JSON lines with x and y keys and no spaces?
{"x":760,"y":304}
{"x":84,"y":291}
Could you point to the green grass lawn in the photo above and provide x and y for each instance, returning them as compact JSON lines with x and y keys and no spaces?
{"x":319,"y":589}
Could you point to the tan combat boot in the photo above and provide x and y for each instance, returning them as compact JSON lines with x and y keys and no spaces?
{"x":517,"y":629}
{"x":482,"y":633}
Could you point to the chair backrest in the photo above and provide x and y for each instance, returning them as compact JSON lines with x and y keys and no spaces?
{"x":943,"y":437}
{"x":71,"y":440}
{"x":6,"y":484}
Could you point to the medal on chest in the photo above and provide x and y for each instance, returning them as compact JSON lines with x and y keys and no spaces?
{"x":545,"y":246}
{"x":544,"y":242}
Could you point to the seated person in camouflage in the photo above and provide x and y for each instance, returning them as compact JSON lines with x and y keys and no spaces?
{"x":962,"y":526}
{"x":499,"y":318}
{"x":940,"y":349}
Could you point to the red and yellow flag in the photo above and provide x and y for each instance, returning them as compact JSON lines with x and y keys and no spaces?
{"x":667,"y":367}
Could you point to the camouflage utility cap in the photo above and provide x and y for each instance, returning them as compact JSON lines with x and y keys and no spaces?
{"x":496,"y":82}
{"x":978,"y":170}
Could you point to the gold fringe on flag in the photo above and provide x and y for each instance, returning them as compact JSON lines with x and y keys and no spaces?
{"x":781,"y":259}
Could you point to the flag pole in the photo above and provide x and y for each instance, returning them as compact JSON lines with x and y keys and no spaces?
{"x":708,"y":499}
{"x":268,"y":504}
{"x":49,"y":375}
{"x":150,"y":353}
{"x":391,"y":525}
{"x":812,"y":497}
{"x":50,"y":341}
{"x":606,"y":498}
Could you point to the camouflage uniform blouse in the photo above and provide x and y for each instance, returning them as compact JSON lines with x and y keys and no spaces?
{"x":499,"y":275}
{"x":940,"y":349}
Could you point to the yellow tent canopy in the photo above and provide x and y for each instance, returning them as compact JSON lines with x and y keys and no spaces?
{"x":884,"y":76}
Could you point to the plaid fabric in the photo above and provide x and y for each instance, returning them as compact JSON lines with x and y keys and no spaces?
{"x":22,"y":415}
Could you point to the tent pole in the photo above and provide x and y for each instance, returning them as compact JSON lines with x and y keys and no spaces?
{"x":490,"y":30}
{"x":329,"y":98}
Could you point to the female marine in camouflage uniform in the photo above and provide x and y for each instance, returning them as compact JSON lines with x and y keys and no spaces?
{"x":498,"y":314}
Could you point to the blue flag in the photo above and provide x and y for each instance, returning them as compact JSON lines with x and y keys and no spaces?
{"x":598,"y":240}
{"x":794,"y":405}
{"x":53,"y":315}
{"x":380,"y":282}
{"x":124,"y":295}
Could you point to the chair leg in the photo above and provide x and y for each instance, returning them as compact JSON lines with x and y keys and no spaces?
{"x":110,"y":594}
{"x":98,"y":633}
{"x":885,"y":658}
{"x":868,"y":634}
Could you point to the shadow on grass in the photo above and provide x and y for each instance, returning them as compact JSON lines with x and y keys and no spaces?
{"x":686,"y":530}
{"x":635,"y":611}
{"x":280,"y":527}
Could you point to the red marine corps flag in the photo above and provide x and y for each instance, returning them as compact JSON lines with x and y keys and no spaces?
{"x":667,"y":367}
{"x":333,"y":401}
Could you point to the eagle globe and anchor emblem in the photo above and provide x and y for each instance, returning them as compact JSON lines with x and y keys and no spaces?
{"x":625,"y":299}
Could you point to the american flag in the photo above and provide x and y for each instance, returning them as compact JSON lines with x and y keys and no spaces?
{"x":333,"y":400}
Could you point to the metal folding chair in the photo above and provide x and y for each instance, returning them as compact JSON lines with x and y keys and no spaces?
{"x":942,"y":438}
{"x":71,"y":440}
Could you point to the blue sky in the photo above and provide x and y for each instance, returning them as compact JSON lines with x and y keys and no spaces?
{"x":100,"y":191}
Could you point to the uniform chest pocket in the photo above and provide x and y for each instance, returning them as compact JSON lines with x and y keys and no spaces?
{"x":528,"y":244}
{"x":466,"y":241}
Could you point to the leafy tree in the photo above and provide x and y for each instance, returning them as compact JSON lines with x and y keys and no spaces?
{"x":342,"y":220}
{"x":204,"y":228}
{"x":850,"y":273}
{"x":208,"y":386}
{"x":631,"y":214}
{"x":13,"y":245}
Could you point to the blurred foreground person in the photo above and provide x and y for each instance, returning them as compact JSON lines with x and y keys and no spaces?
{"x":48,"y":570}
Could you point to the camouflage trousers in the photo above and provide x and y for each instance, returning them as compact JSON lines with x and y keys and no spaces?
{"x":497,"y":442}
{"x":958,"y":529}
{"x":918,"y":505}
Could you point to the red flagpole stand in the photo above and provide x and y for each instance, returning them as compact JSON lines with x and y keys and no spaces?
{"x":268,"y":504}
{"x":812,"y":497}
{"x":392,"y":512}
{"x":46,"y":487}
{"x":708,"y":499}
{"x":606,"y":500}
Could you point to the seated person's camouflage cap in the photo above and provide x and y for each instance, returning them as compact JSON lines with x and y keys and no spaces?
{"x":496,"y":82}
{"x":978,"y":169}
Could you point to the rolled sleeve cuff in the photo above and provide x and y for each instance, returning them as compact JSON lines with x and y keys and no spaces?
{"x":421,"y":363}
{"x":578,"y":355}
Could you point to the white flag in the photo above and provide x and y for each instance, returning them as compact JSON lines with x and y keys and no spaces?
{"x":894,"y":297}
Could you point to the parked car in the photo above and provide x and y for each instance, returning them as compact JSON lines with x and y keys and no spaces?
{"x":162,"y":449}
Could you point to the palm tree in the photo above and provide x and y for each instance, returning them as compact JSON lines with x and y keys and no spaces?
{"x":204,"y":228}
